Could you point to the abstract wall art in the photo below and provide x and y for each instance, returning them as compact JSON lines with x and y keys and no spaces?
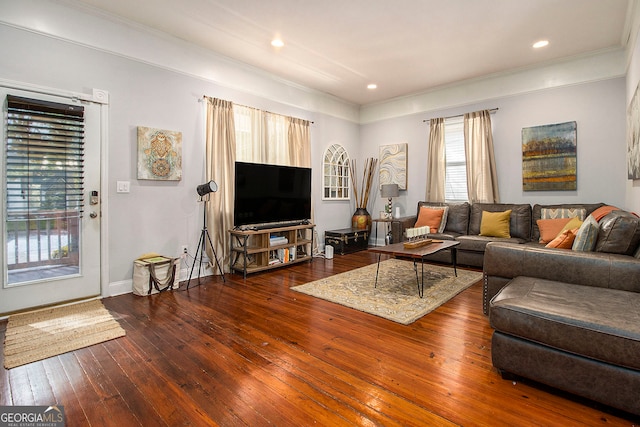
{"x":159,"y":154}
{"x":549,"y":157}
{"x":393,"y":165}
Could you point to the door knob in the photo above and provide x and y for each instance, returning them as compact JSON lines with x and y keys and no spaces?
{"x":93,"y":214}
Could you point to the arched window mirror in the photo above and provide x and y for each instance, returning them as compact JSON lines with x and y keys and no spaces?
{"x":336,"y":181}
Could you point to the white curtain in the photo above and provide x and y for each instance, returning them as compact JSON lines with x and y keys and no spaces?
{"x":220,"y":167}
{"x":436,"y":169}
{"x":261,"y":136}
{"x":482,"y":179}
{"x":299,"y":142}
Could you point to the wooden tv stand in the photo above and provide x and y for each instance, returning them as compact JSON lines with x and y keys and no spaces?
{"x":252,"y":251}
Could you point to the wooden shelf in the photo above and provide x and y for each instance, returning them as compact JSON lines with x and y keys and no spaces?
{"x":252,"y":252}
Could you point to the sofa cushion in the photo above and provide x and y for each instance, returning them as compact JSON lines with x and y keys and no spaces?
{"x":519,"y":222}
{"x":495,"y":224}
{"x":599,"y":323}
{"x":586,"y":236}
{"x":479,"y":243}
{"x":435,"y":217}
{"x":457,"y":218}
{"x":536,"y":213}
{"x":619,"y":233}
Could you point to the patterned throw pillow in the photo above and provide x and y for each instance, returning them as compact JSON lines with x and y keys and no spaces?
{"x":552,"y":213}
{"x":587,"y":235}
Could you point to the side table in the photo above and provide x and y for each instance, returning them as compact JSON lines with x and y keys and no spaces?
{"x":376,"y":221}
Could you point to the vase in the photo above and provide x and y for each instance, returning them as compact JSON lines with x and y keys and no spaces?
{"x":361,"y":219}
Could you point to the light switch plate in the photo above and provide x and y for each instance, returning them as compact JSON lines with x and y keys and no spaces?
{"x":122,"y":186}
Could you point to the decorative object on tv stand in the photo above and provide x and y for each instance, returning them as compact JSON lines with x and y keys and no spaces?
{"x":361,"y":219}
{"x":204,"y":191}
{"x":159,"y":154}
{"x":389,"y":191}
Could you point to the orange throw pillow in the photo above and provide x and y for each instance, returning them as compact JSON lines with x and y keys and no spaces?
{"x":564,"y":240}
{"x":550,"y":228}
{"x":603,"y":211}
{"x":430,"y":217}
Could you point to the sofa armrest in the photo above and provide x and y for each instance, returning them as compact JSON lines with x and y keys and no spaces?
{"x":505,"y":261}
{"x":398,"y":225}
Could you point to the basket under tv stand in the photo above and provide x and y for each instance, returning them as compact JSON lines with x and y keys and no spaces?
{"x":268,"y":248}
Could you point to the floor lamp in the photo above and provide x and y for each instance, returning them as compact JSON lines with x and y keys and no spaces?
{"x":204,"y":191}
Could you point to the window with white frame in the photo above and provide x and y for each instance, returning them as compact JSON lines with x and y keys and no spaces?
{"x":336,"y":180}
{"x":456,"y":167}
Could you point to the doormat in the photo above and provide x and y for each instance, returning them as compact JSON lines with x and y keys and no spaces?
{"x":396,"y":295}
{"x":48,"y":332}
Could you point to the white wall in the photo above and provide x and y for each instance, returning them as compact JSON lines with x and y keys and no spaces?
{"x":633,"y":80}
{"x":157,"y":216}
{"x":156,"y":81}
{"x":598,"y":108}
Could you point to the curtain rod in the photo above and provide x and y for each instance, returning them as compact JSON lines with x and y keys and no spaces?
{"x":491,"y":111}
{"x":254,"y":108}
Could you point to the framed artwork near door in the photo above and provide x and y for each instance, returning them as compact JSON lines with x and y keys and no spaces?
{"x":159,"y":154}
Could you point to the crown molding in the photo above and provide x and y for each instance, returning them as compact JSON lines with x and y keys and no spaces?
{"x":581,"y":69}
{"x":83,"y":25}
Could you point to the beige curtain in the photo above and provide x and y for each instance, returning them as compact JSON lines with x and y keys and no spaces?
{"x":220,"y":163}
{"x":482,"y":179}
{"x":299,"y":142}
{"x":436,"y":169}
{"x":250,"y":130}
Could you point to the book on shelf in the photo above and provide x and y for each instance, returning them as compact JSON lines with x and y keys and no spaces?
{"x":278,"y":240}
{"x":286,"y":254}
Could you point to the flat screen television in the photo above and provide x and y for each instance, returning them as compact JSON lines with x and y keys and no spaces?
{"x":267,"y":194}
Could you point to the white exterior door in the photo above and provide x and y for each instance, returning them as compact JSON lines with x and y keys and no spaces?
{"x":52,"y":254}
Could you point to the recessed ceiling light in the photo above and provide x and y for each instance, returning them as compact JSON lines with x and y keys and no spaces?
{"x":372,"y":86}
{"x":541,"y":43}
{"x":277,"y":43}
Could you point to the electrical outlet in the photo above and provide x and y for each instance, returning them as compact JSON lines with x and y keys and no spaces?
{"x":184,"y":251}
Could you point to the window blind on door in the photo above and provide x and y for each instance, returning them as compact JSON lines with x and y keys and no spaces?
{"x":44,"y":157}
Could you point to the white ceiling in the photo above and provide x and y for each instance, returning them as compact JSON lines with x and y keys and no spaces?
{"x":404,"y":46}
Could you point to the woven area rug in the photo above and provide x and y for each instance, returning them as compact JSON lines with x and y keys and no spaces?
{"x":44,"y":333}
{"x":396,"y":295}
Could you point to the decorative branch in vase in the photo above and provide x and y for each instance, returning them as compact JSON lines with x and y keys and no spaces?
{"x":361,"y":218}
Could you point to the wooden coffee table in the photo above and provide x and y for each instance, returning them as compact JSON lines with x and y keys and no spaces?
{"x":398,"y":249}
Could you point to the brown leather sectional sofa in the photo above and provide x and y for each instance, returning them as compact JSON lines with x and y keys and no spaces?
{"x":564,"y":318}
{"x":463,"y":224}
{"x":567,"y":319}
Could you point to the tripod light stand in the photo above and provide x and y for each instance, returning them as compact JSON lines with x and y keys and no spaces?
{"x":203,"y":191}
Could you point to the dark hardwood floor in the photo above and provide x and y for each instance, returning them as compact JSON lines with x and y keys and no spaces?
{"x":252,"y":352}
